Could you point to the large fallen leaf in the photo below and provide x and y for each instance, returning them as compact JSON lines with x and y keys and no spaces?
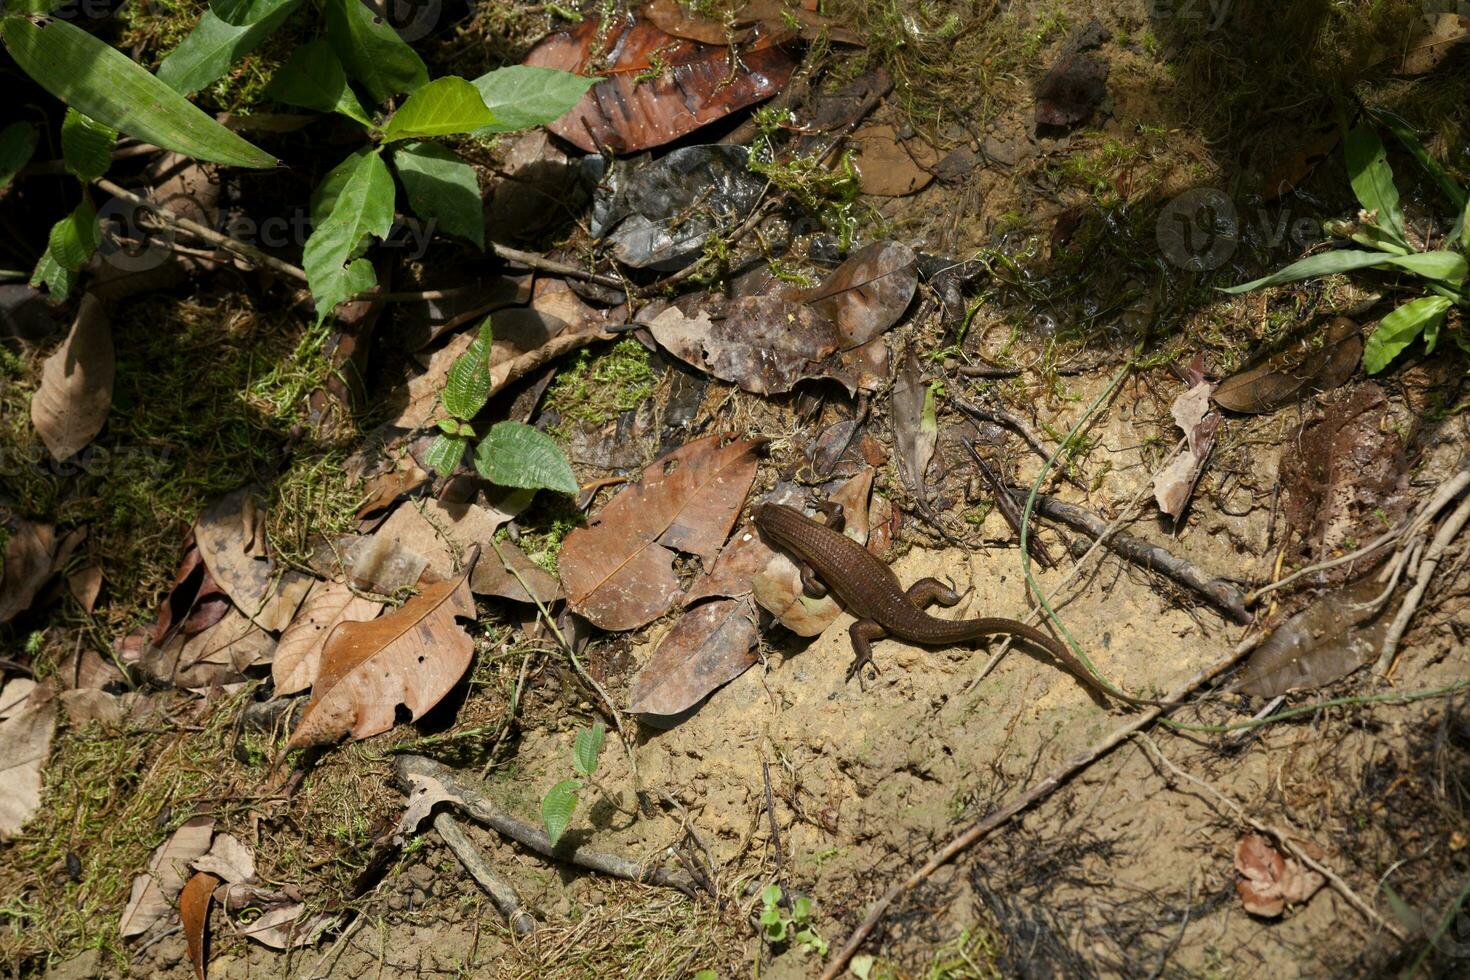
{"x":30,"y":555}
{"x":440,"y":531}
{"x":75,"y":395}
{"x":1318,"y":362}
{"x":765,"y":344}
{"x":298,"y":653}
{"x":618,"y":571}
{"x":1269,"y":880}
{"x":710,"y":645}
{"x":778,"y":587}
{"x":155,"y":890}
{"x":25,"y":743}
{"x":194,"y":904}
{"x":867,"y":293}
{"x":1334,"y":636}
{"x":14,"y":695}
{"x":412,"y":656}
{"x":656,"y":87}
{"x":231,"y":538}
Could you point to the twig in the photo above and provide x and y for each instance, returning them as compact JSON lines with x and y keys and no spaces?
{"x":1005,"y":502}
{"x":1447,"y":532}
{"x":1018,"y":425}
{"x":986,"y":371}
{"x":1150,"y":556}
{"x":240,"y":248}
{"x":482,"y":809}
{"x":1283,"y":837}
{"x":531,"y":260}
{"x":775,"y":832}
{"x":1025,"y":801}
{"x":501,"y":892}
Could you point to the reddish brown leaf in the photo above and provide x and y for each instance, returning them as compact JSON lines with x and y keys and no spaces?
{"x":618,"y":572}
{"x":494,"y":577}
{"x":656,"y":87}
{"x":298,"y":653}
{"x":412,"y":656}
{"x":1269,"y":880}
{"x":890,"y":166}
{"x":866,"y":294}
{"x":71,"y":405}
{"x":383,"y":489}
{"x":194,"y":902}
{"x":710,"y":645}
{"x":194,"y":603}
{"x":1334,"y":636}
{"x":29,"y":558}
{"x":1069,"y":92}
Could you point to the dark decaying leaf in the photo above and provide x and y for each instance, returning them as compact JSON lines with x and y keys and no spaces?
{"x":778,"y":589}
{"x":30,"y":554}
{"x":659,"y":213}
{"x":618,"y":571}
{"x":1338,"y":633}
{"x":1319,"y":362}
{"x":71,"y":404}
{"x":412,"y":657}
{"x":1077,"y":81}
{"x":194,"y":902}
{"x":890,"y":166}
{"x":194,"y":603}
{"x":710,"y":645}
{"x":656,"y":87}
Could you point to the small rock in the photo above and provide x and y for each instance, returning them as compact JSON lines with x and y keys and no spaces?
{"x":83,"y":966}
{"x":1004,"y":153}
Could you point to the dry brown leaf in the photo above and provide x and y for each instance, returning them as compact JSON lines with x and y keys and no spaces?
{"x":30,"y":556}
{"x":383,"y":489}
{"x":656,"y":87}
{"x":231,"y":538}
{"x":1444,"y":31}
{"x":765,"y":343}
{"x":890,"y":166}
{"x":154,"y":890}
{"x":868,"y":292}
{"x":439,"y":531}
{"x":85,"y":585}
{"x":298,"y":652}
{"x":194,"y":904}
{"x":229,"y":860}
{"x":710,"y":645}
{"x":913,"y":436}
{"x":1192,"y":413}
{"x":14,"y":695}
{"x":1334,"y":636}
{"x":494,"y":577}
{"x":1318,"y":362}
{"x":194,"y":602}
{"x":1269,"y":880}
{"x":778,"y":588}
{"x":87,"y":668}
{"x":618,"y":571}
{"x":71,"y":405}
{"x":25,"y":744}
{"x":88,"y":704}
{"x":412,"y":656}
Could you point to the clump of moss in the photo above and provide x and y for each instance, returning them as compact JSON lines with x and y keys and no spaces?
{"x":310,"y":500}
{"x":598,"y":387}
{"x":545,"y":525}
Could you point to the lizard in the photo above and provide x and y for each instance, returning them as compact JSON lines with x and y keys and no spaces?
{"x":829,"y":560}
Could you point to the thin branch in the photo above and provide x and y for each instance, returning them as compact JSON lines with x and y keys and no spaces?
{"x":1427,"y":564}
{"x":501,"y":892}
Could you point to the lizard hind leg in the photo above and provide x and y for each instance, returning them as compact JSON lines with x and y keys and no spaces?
{"x":927,"y":591}
{"x":863,"y":633}
{"x":810,"y":584}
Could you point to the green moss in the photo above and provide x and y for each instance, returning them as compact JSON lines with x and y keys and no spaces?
{"x":598,"y":387}
{"x":545,"y":525}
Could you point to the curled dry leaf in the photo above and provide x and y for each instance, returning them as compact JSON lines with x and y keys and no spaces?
{"x":298,"y":653}
{"x":229,"y":860}
{"x":890,"y":166}
{"x":155,"y":890}
{"x":1316,"y":363}
{"x":382,"y":490}
{"x":231,"y":538}
{"x":194,"y":902}
{"x":618,"y":571}
{"x":710,"y":645}
{"x":25,"y":744}
{"x":1269,"y":881}
{"x":656,"y":87}
{"x":778,"y":588}
{"x":71,"y":404}
{"x":412,"y":656}
{"x":30,"y":555}
{"x":1175,"y":483}
{"x":194,"y":602}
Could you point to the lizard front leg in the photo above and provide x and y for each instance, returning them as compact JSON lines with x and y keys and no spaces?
{"x":863,"y":633}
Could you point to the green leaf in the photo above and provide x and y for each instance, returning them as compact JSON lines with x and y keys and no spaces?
{"x":442,"y":107}
{"x":801,"y":909}
{"x":467,"y":387}
{"x":74,"y":238}
{"x":96,"y":79}
{"x":587,"y":747}
{"x":1405,"y":134}
{"x":313,"y":78}
{"x":445,"y":453}
{"x":1372,"y":179}
{"x":521,"y":96}
{"x":516,"y":455}
{"x":86,"y":146}
{"x":1465,"y":229}
{"x":58,"y":279}
{"x":353,"y":204}
{"x":213,"y":45}
{"x":557,"y":807}
{"x":17,"y":144}
{"x":242,"y":12}
{"x":372,"y":52}
{"x":1398,"y":330}
{"x":1433,"y":265}
{"x":442,"y":189}
{"x":770,"y":895}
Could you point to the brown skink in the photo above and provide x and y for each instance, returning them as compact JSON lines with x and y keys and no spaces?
{"x":871,"y":592}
